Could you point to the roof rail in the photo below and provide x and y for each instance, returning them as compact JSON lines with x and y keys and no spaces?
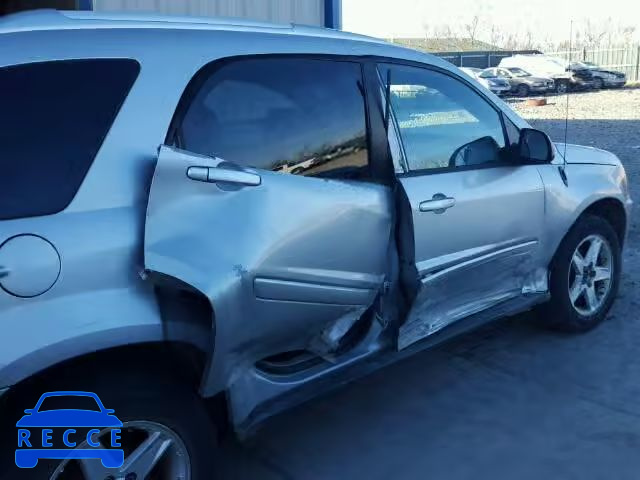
{"x":72,"y":20}
{"x":49,"y":19}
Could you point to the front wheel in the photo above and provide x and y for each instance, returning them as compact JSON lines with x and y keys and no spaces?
{"x":522,"y":90}
{"x":598,"y":84}
{"x":585,"y":275}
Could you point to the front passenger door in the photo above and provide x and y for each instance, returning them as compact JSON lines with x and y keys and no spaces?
{"x":477,"y":217}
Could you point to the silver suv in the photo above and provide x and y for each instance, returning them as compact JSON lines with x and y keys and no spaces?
{"x":204,"y":221}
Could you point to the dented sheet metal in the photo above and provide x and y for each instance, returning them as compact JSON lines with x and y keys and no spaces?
{"x":477,"y":253}
{"x":476,"y":285}
{"x":281,"y":262}
{"x":328,"y":342}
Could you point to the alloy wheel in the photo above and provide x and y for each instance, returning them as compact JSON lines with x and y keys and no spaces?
{"x":152,"y":452}
{"x":590,"y":275}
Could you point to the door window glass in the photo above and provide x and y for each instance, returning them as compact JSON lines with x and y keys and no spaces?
{"x":291,"y":115}
{"x":443,"y":123}
{"x":513,"y":132}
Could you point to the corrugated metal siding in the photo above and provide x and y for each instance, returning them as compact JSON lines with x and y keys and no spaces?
{"x":307,"y":12}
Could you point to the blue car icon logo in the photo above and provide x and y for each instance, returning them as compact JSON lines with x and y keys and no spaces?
{"x":36,"y":432}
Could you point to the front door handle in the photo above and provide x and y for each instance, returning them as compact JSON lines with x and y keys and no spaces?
{"x":225,"y":175}
{"x":440,"y":203}
{"x":4,"y":272}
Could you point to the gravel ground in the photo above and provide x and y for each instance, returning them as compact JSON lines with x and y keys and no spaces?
{"x":507,"y":401}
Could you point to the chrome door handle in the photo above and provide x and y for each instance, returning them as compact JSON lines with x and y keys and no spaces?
{"x":440,"y":203}
{"x":217,"y":174}
{"x":4,"y":272}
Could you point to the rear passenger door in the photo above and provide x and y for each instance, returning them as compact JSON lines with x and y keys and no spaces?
{"x":477,"y":217}
{"x":266,"y":202}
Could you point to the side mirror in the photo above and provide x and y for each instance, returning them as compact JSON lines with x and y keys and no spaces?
{"x":480,"y":151}
{"x":535,"y":146}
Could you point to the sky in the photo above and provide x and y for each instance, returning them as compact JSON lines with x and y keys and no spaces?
{"x":552,"y":18}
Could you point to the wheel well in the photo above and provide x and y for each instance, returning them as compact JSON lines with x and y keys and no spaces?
{"x":179,"y":362}
{"x":613,"y":212}
{"x":173,"y":364}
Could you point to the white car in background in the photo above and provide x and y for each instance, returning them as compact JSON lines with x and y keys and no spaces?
{"x":564,"y":77}
{"x":489,"y":80}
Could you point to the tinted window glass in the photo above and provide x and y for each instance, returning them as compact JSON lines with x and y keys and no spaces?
{"x":53,"y":119}
{"x":443,"y":123}
{"x":513,"y":132}
{"x":297,"y":116}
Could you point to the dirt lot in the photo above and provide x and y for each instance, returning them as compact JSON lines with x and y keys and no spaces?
{"x":509,"y":401}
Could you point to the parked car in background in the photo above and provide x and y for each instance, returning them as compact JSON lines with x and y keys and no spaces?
{"x":557,"y":69}
{"x":602,"y":78}
{"x":491,"y":82}
{"x":154,"y":252}
{"x":521,"y":82}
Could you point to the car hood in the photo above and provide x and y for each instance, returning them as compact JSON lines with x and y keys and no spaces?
{"x":580,"y":154}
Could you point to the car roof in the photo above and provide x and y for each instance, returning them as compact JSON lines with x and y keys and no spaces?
{"x":49,"y":19}
{"x":137,"y":31}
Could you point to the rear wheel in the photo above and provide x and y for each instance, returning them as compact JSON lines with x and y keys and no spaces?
{"x":584,"y":276}
{"x":562,"y":86}
{"x":167,"y":433}
{"x":522,"y":90}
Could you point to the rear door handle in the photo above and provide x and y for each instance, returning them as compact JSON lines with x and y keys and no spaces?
{"x":440,"y":203}
{"x":225,"y":175}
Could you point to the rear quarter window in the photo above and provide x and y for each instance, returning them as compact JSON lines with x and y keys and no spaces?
{"x":54,"y":117}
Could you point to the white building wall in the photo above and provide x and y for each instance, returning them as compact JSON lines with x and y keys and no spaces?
{"x":307,"y":12}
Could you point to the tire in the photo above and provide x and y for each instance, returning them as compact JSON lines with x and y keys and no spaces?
{"x":598,"y":84}
{"x":156,"y":401}
{"x":522,"y":90}
{"x":561,"y":313}
{"x":562,"y":87}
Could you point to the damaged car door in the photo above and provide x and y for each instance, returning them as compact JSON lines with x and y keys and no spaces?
{"x":477,"y":215}
{"x":266,"y":204}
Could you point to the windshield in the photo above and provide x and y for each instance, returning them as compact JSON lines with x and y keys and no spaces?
{"x":488,"y":74}
{"x":518,"y":72}
{"x":579,"y":66}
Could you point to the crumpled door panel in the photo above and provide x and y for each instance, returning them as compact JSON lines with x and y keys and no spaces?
{"x":477,"y":284}
{"x":279,"y":261}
